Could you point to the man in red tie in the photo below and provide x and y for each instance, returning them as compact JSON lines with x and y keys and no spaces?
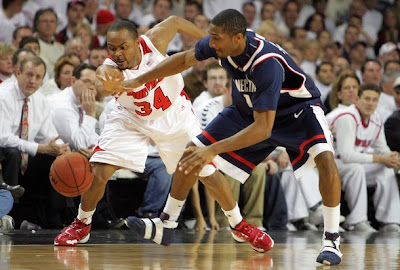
{"x":26,"y":130}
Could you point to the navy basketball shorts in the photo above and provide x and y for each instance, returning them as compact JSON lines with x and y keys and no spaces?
{"x":304,"y":134}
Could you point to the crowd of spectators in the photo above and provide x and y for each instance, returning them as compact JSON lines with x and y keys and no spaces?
{"x":344,"y":46}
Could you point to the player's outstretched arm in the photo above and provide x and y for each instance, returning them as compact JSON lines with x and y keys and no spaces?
{"x":162,"y":33}
{"x":170,"y":66}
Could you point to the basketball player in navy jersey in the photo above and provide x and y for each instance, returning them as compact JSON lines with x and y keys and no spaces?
{"x":274,"y":104}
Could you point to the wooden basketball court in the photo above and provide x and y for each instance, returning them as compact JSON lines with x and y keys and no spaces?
{"x":121,"y":249}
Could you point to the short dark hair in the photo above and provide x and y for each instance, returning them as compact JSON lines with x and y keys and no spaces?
{"x":318,"y":68}
{"x":35,"y":60}
{"x":78,"y":70}
{"x":26,"y":40}
{"x":15,"y":32}
{"x":367,"y":61}
{"x":124,"y":24}
{"x":369,"y":86}
{"x":196,"y":4}
{"x":231,"y":21}
{"x":39,"y":13}
{"x":17,"y":53}
{"x":210,"y":66}
{"x":388,"y":63}
{"x":98,"y":48}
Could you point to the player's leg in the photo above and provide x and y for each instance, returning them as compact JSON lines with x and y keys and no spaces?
{"x":79,"y":230}
{"x":241,"y":230}
{"x":330,"y":189}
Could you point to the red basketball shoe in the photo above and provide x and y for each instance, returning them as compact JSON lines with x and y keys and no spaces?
{"x":77,"y":232}
{"x":259,"y":240}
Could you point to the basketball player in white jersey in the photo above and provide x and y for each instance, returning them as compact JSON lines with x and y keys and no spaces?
{"x":158,"y":111}
{"x":360,"y":139}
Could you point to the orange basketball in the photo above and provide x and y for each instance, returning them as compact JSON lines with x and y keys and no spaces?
{"x":71,"y":174}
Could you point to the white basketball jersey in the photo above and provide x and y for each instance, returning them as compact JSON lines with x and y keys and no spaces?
{"x":150,"y":100}
{"x":366,"y":134}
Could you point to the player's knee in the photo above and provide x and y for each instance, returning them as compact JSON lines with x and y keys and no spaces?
{"x":207,"y":170}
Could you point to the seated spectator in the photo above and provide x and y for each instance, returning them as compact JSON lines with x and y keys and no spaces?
{"x":26,"y":157}
{"x":74,"y":109}
{"x":160,"y":11}
{"x":215,"y":79}
{"x":360,"y":141}
{"x":391,"y":66}
{"x":19,"y":33}
{"x":314,"y":25}
{"x":311,"y":52}
{"x":388,"y":51}
{"x":63,"y":70}
{"x":31,"y":43}
{"x":268,"y":30}
{"x":10,"y":18}
{"x":387,"y":105}
{"x":6,"y":54}
{"x":392,"y":124}
{"x":45,"y":27}
{"x":75,"y":15}
{"x":324,"y":79}
{"x":85,"y":33}
{"x":97,"y":56}
{"x":104,"y":19}
{"x":77,"y":46}
{"x":17,"y":58}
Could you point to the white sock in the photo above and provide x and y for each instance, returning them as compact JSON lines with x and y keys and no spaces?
{"x":331,"y":218}
{"x":234,"y":216}
{"x":85,"y":217}
{"x":173,"y":208}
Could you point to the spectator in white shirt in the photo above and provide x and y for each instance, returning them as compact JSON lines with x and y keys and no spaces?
{"x":10,"y":18}
{"x":215,"y":79}
{"x":360,"y":139}
{"x":42,"y":135}
{"x":324,"y":79}
{"x":74,"y":109}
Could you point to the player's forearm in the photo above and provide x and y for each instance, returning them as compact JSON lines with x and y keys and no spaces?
{"x":251,"y":135}
{"x":170,"y":66}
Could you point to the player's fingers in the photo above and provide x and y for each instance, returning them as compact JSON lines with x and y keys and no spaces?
{"x":100,"y":78}
{"x":106,"y":75}
{"x":121,"y":79}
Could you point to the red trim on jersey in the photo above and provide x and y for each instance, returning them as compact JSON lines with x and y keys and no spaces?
{"x":97,"y":149}
{"x":337,"y":117}
{"x":109,"y":57}
{"x":183,"y":93}
{"x":232,"y":154}
{"x":361,"y":117}
{"x":145,"y":48}
{"x":299,"y":157}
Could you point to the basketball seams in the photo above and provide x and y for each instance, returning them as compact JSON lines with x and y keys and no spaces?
{"x":66,"y":171}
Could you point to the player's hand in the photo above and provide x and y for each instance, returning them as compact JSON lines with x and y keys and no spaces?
{"x":113,"y":84}
{"x":271,"y":166}
{"x":87,"y":152}
{"x":195,"y":159}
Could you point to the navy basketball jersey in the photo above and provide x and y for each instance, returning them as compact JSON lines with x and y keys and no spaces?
{"x":264,"y":77}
